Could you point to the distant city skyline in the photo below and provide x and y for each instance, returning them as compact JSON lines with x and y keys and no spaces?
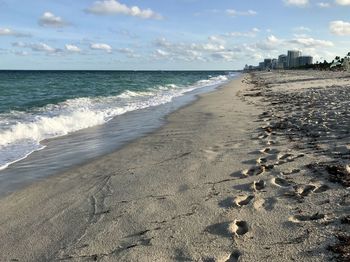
{"x":291,"y":59}
{"x":168,"y":35}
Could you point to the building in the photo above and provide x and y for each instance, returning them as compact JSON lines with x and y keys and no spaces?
{"x":274,"y":63}
{"x":282,"y":62}
{"x":304,"y":60}
{"x":292,"y":58}
{"x":261,"y":66}
{"x":267,"y":63}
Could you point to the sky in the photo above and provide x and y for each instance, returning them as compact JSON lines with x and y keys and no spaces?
{"x":167,"y":34}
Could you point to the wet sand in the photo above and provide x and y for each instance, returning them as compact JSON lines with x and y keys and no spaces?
{"x":221,"y":181}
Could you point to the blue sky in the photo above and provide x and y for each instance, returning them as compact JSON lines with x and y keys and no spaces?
{"x":167,"y":34}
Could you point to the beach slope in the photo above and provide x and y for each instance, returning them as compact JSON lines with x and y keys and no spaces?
{"x":214,"y":184}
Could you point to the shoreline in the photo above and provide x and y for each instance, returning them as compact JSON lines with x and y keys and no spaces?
{"x":218,"y":182}
{"x":49,"y":161}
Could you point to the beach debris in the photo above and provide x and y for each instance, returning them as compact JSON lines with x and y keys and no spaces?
{"x":339,"y":174}
{"x":345,"y":219}
{"x":342,"y":248}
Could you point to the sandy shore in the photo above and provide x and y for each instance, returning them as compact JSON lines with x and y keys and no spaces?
{"x":223,"y":180}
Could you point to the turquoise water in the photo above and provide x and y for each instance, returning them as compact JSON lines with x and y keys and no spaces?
{"x":40,"y":105}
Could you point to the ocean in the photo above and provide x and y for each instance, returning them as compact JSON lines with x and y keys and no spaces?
{"x":66,"y":114}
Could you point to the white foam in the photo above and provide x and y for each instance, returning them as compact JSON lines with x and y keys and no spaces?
{"x":21,"y":133}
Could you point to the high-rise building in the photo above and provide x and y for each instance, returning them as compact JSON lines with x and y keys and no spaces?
{"x":304,"y":60}
{"x":282,"y":62}
{"x":292,"y":58}
{"x":274,"y":63}
{"x":268,"y":63}
{"x":261,"y":66}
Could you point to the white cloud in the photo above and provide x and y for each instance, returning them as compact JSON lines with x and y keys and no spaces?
{"x":339,"y":28}
{"x":298,"y":3}
{"x":227,"y":56}
{"x":270,"y":43}
{"x":232,"y":12}
{"x":42,"y":47}
{"x":128,"y":52}
{"x":21,"y":53}
{"x":101,"y":46}
{"x":208,"y":47}
{"x":159,"y":53}
{"x":213,"y":50}
{"x":113,"y":7}
{"x":38,"y":47}
{"x":302,"y":29}
{"x":10,"y":32}
{"x":311,"y":42}
{"x":251,"y":33}
{"x":343,"y":2}
{"x":72,"y":48}
{"x":216,"y":39}
{"x":48,"y":19}
{"x":323,"y":5}
{"x":19,"y":44}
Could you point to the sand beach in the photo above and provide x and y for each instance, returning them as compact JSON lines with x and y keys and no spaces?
{"x":257,"y":170}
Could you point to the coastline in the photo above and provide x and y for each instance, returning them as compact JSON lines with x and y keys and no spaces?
{"x":62,"y":153}
{"x":199,"y":188}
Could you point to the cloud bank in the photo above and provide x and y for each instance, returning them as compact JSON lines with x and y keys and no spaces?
{"x":298,"y":3}
{"x":113,"y":7}
{"x":10,"y":32}
{"x":343,"y":2}
{"x":101,"y":46}
{"x":48,"y":19}
{"x":340,"y":28}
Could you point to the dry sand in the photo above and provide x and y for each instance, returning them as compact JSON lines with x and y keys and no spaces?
{"x":221,"y":181}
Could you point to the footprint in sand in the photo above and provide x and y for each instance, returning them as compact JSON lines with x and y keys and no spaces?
{"x":291,"y":172}
{"x":210,"y":154}
{"x":233,"y":257}
{"x":261,"y":160}
{"x":270,"y":142}
{"x":267,"y":204}
{"x":284,"y":156}
{"x":265,"y":150}
{"x":258,"y":185}
{"x":238,"y":227}
{"x":263,"y":136}
{"x":304,"y":190}
{"x":305,"y":218}
{"x":256,"y":170}
{"x":321,"y":188}
{"x":259,"y":203}
{"x":243,"y":200}
{"x":268,"y":150}
{"x":267,"y":128}
{"x":288,"y":157}
{"x":280,"y":182}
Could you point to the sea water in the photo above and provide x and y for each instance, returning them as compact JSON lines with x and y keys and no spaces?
{"x":51,"y":120}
